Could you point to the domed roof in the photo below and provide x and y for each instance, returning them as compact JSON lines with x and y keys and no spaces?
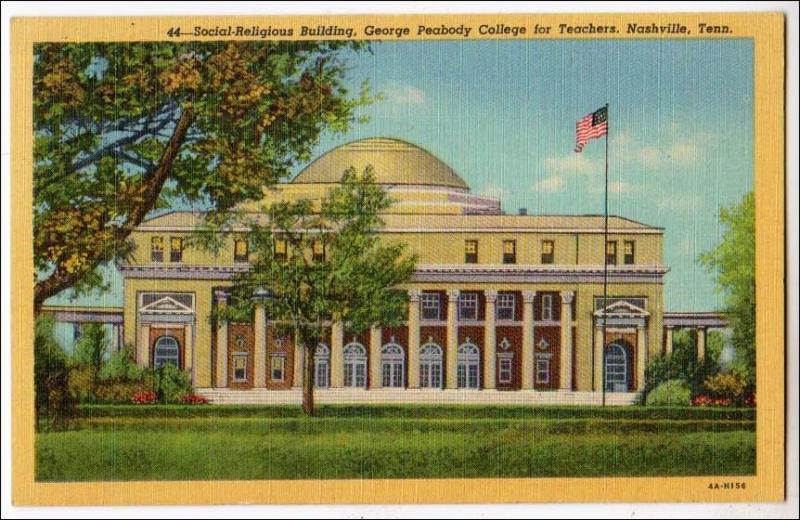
{"x":394,"y":162}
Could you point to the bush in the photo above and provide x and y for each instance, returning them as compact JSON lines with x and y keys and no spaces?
{"x":122,"y":366}
{"x":726,"y":386}
{"x":81,"y":384}
{"x":144,"y":397}
{"x":90,"y":350}
{"x":670,"y":393}
{"x":52,"y":401}
{"x":705,"y":400}
{"x":682,"y":363}
{"x":194,"y":399}
{"x":171,"y":383}
{"x":118,"y":391}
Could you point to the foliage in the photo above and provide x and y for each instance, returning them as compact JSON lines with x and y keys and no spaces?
{"x":121,"y":365}
{"x":682,"y":363}
{"x":82,"y":383}
{"x":171,"y":383}
{"x":194,"y":399}
{"x":117,"y":390}
{"x":351,"y":442}
{"x":356,"y":280}
{"x":730,"y":386}
{"x":706,"y":400}
{"x":90,"y":351}
{"x":674,"y":392}
{"x":733,"y":263}
{"x":121,"y":129}
{"x":144,"y":397}
{"x":53,"y":402}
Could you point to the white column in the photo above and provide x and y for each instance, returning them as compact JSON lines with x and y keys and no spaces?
{"x":375,"y":357}
{"x":222,"y":342}
{"x":143,"y":348}
{"x":413,"y":339}
{"x":452,"y":338}
{"x":668,"y":340}
{"x":528,"y":335}
{"x":566,"y":339}
{"x":701,"y":344}
{"x":188,"y":348}
{"x":260,"y":347}
{"x":299,"y":358}
{"x":641,"y":357}
{"x":489,"y":342}
{"x":598,"y":357}
{"x":337,"y":361}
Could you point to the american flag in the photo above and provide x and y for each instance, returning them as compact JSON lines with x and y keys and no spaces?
{"x":591,"y":126}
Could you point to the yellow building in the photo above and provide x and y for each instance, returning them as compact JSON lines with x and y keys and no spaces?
{"x":498,"y":302}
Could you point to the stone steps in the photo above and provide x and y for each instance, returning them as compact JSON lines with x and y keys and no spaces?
{"x":409,"y":396}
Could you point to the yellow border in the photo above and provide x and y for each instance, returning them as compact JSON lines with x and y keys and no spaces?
{"x":767,"y":31}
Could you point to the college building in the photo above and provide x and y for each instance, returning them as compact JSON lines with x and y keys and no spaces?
{"x":502,"y":307}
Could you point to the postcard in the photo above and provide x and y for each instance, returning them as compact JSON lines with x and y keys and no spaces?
{"x":398,"y":259}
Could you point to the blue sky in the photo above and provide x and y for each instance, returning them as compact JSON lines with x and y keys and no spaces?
{"x":502,"y":114}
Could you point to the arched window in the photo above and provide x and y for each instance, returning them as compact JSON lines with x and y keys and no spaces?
{"x":322,"y":366}
{"x":616,"y":368}
{"x":430,"y":365}
{"x":393,"y":359}
{"x":355,"y":365}
{"x":166,"y":351}
{"x":468,"y":367}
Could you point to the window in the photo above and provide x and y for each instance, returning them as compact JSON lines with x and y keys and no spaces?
{"x":240,"y":251}
{"x":505,"y":306}
{"x":467,"y":306}
{"x":509,"y":251}
{"x":277,"y":367}
{"x":240,"y":367}
{"x":616,"y":368}
{"x":318,"y":251}
{"x":468,"y":365}
{"x":431,"y":308}
{"x":430,"y":366}
{"x":176,"y":249}
{"x":505,"y":370}
{"x":611,"y":252}
{"x":542,"y":370}
{"x":471,"y":252}
{"x":156,"y":249}
{"x":628,"y":252}
{"x":392,"y":365}
{"x":322,"y":366}
{"x":280,"y":249}
{"x":166,"y":351}
{"x":355,"y":365}
{"x":547,"y":307}
{"x":548,"y":246}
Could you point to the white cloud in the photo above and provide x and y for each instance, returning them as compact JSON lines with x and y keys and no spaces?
{"x":572,"y":163}
{"x":549,"y":184}
{"x":495,"y":190}
{"x":404,"y":95}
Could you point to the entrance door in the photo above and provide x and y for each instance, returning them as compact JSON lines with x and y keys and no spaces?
{"x":617,"y":369}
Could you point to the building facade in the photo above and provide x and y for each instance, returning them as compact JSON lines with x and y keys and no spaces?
{"x":499,"y":302}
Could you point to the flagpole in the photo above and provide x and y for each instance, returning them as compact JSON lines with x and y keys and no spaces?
{"x":605,"y":269}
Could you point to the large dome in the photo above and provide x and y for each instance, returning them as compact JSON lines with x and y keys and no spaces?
{"x":395,"y":162}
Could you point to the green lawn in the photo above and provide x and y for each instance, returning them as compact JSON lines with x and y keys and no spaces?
{"x":255,"y":442}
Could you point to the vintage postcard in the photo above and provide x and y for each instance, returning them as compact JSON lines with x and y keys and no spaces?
{"x":398,"y":259}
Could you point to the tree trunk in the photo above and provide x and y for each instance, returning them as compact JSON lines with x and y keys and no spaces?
{"x":308,"y":380}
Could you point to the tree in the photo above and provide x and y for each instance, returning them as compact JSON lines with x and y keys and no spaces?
{"x":331,"y":264}
{"x":121,"y":129}
{"x":90,"y":351}
{"x":732,"y":262}
{"x":51,"y":374}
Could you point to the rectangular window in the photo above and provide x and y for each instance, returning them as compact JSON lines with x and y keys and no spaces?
{"x":505,"y":370}
{"x":176,"y":249}
{"x":280,"y":249}
{"x":547,"y":307}
{"x":430,"y":306}
{"x":543,"y":371}
{"x":240,"y":367}
{"x":468,"y":306}
{"x":240,"y":251}
{"x":611,"y":252}
{"x":505,"y":306}
{"x":157,"y":249}
{"x":509,"y":251}
{"x":471,"y":252}
{"x":277,"y":368}
{"x":628,"y":251}
{"x":548,"y":248}
{"x":318,"y":249}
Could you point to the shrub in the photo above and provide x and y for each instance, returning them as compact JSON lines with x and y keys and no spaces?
{"x":90,"y":350}
{"x":751,"y":400}
{"x":122,"y":366}
{"x":81,"y":384}
{"x":194,"y":399}
{"x":118,"y":391}
{"x":53,"y":401}
{"x":726,"y":386}
{"x":171,"y":383}
{"x":144,"y":397}
{"x":706,"y":400}
{"x":670,"y":393}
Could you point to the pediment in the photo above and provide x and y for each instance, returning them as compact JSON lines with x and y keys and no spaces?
{"x":622,"y":308}
{"x":166,"y":304}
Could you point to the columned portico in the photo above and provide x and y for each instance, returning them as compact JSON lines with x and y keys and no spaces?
{"x":566,"y":339}
{"x":299,"y":361}
{"x":413,"y":338}
{"x":260,"y":346}
{"x":668,"y":340}
{"x":337,"y":359}
{"x":452,"y":338}
{"x":641,"y":355}
{"x":527,"y":339}
{"x":489,"y":342}
{"x":375,"y":379}
{"x":222,"y":341}
{"x":701,"y":344}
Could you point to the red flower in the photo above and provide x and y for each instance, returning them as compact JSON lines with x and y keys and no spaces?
{"x":144,"y":397}
{"x":194,"y":399}
{"x":751,"y":400}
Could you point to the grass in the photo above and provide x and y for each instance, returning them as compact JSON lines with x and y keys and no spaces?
{"x":257,"y":442}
